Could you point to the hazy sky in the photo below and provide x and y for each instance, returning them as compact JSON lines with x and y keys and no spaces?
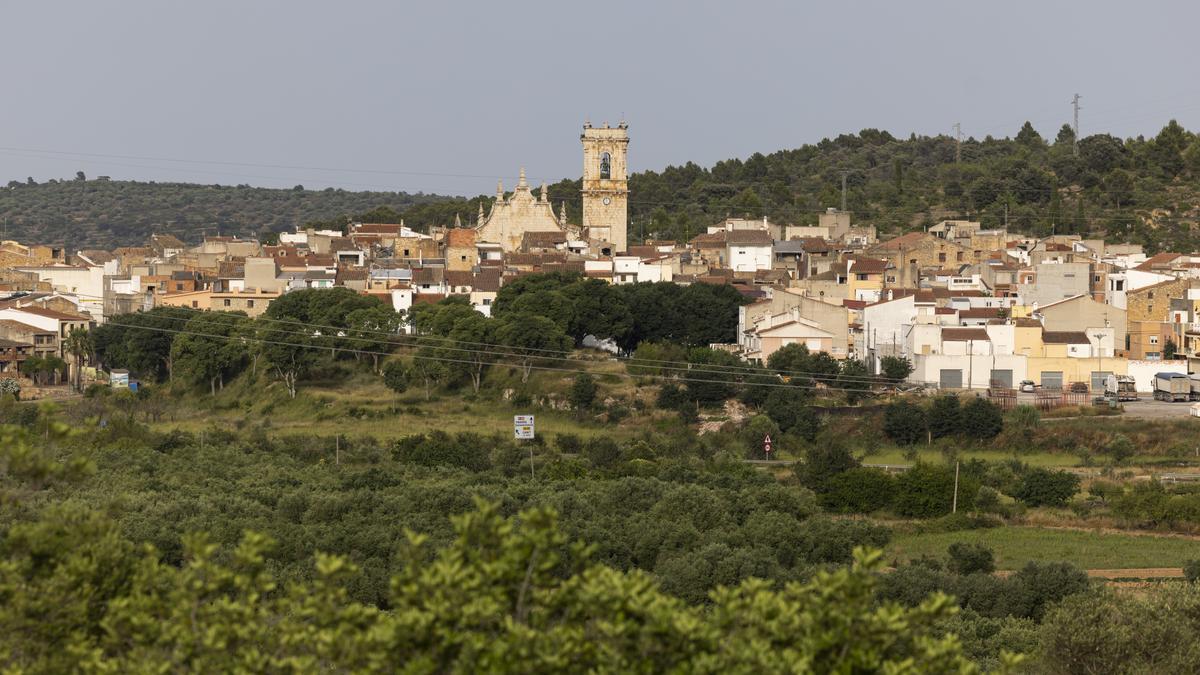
{"x":449,"y":96}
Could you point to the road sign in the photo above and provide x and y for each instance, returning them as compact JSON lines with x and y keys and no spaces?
{"x":523,"y":427}
{"x":767,"y":446}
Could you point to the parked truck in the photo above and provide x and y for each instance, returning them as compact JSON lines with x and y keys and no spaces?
{"x":1172,"y":387}
{"x":1121,"y":388}
{"x":1195,"y":382}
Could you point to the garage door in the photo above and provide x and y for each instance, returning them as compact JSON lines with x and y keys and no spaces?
{"x":1052,"y":379}
{"x":1002,"y":378}
{"x":1099,"y":378}
{"x":951,"y":378}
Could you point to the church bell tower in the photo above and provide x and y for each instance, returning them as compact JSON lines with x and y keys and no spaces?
{"x":606,"y":184}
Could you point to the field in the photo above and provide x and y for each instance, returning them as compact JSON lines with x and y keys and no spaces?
{"x":1016,"y":545}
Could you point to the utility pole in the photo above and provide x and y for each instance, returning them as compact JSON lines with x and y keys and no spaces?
{"x":844,"y":174}
{"x":1075,"y":144}
{"x":954,"y":504}
{"x":957,"y":142}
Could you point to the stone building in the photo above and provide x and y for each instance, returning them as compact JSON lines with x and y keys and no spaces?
{"x":606,"y":185}
{"x":510,"y":218}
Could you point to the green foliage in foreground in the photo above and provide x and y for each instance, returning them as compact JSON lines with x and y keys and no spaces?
{"x":73,"y":596}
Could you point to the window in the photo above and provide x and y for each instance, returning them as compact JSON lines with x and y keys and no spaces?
{"x":958,"y":256}
{"x":179,"y":286}
{"x":487,"y":301}
{"x":862,"y":277}
{"x":405,"y":253}
{"x":941,"y":257}
{"x":226,"y":302}
{"x":605,"y":166}
{"x":195,"y":303}
{"x":1153,"y":339}
{"x":463,"y":258}
{"x":249,"y":304}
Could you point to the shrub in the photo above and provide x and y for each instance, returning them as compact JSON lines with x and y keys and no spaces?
{"x":859,"y":490}
{"x":753,"y":435}
{"x":895,"y":368}
{"x":967,"y":558}
{"x":1043,"y":487}
{"x":904,"y":423}
{"x":982,"y":419}
{"x":1121,"y":449}
{"x":1191,"y":571}
{"x":822,"y":463}
{"x":583,"y":392}
{"x":927,"y":491}
{"x":568,"y":444}
{"x":671,"y":397}
{"x":602,"y":451}
{"x":945,"y":417}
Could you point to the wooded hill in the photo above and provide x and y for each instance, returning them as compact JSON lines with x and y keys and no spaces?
{"x":1144,"y":190}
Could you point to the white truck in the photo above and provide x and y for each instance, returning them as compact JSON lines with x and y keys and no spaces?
{"x":1120,"y":388}
{"x":1172,"y":387}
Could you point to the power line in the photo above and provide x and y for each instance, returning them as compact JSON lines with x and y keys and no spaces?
{"x":243,"y":339}
{"x":497,"y":349}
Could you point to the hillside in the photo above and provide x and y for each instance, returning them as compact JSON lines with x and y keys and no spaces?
{"x":106,"y":214}
{"x":1145,"y":190}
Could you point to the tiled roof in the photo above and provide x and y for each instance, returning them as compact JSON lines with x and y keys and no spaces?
{"x":748,"y":238}
{"x":1065,"y":337}
{"x":980,"y":313}
{"x":51,"y":314}
{"x":964,"y":334}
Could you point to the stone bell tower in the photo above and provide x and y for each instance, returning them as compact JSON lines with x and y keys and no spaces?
{"x":606,"y":184}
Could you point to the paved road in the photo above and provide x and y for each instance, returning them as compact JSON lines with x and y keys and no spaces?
{"x":1149,"y":409}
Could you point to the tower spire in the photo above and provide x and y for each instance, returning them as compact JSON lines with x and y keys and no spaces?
{"x":499,"y":191}
{"x":543,"y":192}
{"x":479,"y":218}
{"x":521,"y":182}
{"x":562,"y":217}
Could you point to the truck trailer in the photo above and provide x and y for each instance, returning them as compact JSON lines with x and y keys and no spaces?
{"x":1172,"y":387}
{"x":1121,"y":388}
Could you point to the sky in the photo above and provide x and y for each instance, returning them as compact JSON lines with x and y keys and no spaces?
{"x":447,"y":97}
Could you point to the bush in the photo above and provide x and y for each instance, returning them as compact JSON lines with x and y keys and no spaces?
{"x":895,"y":368}
{"x":568,"y":444}
{"x":927,"y":491}
{"x":1043,"y":487}
{"x":822,"y":463}
{"x":859,"y":490}
{"x":671,"y":397}
{"x":1191,"y":571}
{"x":583,"y":392}
{"x":602,"y":451}
{"x":904,"y":423}
{"x":945,"y":417}
{"x":1121,"y":449}
{"x":753,"y":436}
{"x":982,"y":419}
{"x":967,"y":558}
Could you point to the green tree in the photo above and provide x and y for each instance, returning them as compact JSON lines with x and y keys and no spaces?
{"x":395,"y":378}
{"x":533,"y":340}
{"x":1043,"y":487}
{"x":895,"y":368}
{"x":982,"y":419}
{"x":209,"y":349}
{"x":904,"y":423}
{"x":945,"y":416}
{"x":927,"y":491}
{"x":470,"y":347}
{"x":78,"y":346}
{"x":583,"y":392}
{"x":373,"y":331}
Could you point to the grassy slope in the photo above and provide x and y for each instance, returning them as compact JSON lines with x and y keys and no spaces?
{"x":1016,"y":545}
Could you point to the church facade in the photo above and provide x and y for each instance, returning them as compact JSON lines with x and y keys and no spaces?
{"x":510,"y":218}
{"x":605,"y":200}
